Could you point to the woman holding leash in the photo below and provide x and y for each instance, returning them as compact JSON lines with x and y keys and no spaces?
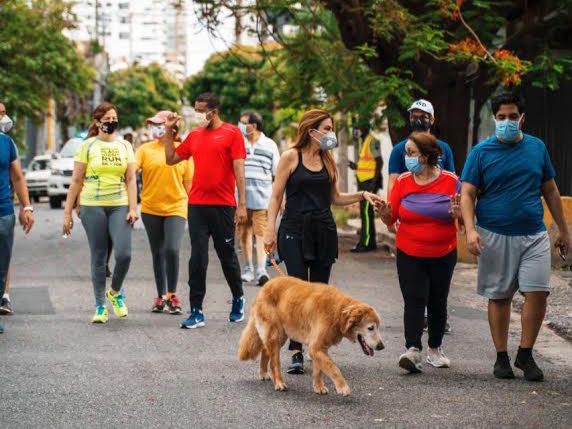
{"x":104,"y":173}
{"x":307,"y":237}
{"x":164,"y":210}
{"x":427,"y":203}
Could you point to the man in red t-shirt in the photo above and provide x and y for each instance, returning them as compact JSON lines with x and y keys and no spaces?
{"x":218,"y":153}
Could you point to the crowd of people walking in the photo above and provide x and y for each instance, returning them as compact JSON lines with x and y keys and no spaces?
{"x":225,"y":180}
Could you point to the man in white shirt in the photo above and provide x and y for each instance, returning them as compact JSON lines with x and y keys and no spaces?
{"x":260,"y":166}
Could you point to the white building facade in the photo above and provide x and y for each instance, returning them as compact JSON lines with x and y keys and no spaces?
{"x":136,"y":31}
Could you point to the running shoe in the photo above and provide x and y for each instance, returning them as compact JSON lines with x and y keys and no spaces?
{"x":195,"y":320}
{"x":237,"y":310}
{"x":158,"y":305}
{"x":101,"y":314}
{"x":118,"y":302}
{"x":6,"y":307}
{"x":174,"y":305}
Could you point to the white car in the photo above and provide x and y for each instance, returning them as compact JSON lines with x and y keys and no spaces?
{"x":37,"y":176}
{"x":61,"y":174}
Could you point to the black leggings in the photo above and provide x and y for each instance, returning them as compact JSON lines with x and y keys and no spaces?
{"x":292,"y":255}
{"x":425,"y":282}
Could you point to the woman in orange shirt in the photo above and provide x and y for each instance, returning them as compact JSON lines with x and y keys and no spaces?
{"x":163,"y":211}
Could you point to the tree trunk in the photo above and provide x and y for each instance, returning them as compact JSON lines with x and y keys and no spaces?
{"x":343,"y":136}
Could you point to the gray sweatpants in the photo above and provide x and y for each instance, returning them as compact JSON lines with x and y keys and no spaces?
{"x":7,"y":224}
{"x":165,"y":234}
{"x":100,"y":223}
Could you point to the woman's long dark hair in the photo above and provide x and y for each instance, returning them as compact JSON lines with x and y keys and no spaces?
{"x":99,"y":113}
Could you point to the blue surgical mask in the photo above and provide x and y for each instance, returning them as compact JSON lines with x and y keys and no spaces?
{"x":412,"y":163}
{"x":508,"y":130}
{"x":242,"y":127}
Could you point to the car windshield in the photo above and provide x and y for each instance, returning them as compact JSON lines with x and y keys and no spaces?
{"x":39,"y":165}
{"x":69,"y":149}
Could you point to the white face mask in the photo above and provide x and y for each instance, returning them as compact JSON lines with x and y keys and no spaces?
{"x":157,"y":131}
{"x":6,"y":124}
{"x":328,"y":141}
{"x":200,"y":118}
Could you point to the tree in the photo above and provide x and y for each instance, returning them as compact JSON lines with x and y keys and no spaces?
{"x":454,"y":52}
{"x":239,"y":77}
{"x":37,"y":62}
{"x":141,"y":91}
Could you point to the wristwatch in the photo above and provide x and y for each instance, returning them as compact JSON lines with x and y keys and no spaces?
{"x":28,"y":209}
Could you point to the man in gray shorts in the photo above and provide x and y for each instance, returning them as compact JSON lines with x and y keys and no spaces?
{"x":508,"y":173}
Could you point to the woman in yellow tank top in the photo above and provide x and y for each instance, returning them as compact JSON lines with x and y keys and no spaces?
{"x":163,"y":211}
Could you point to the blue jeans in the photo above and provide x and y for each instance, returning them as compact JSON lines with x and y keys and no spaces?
{"x":7,"y":224}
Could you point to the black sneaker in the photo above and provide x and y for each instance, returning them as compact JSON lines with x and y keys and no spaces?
{"x":526,"y":363}
{"x":262,"y":278}
{"x":502,"y":367}
{"x":297,"y":364}
{"x":360,"y":248}
{"x":6,"y":307}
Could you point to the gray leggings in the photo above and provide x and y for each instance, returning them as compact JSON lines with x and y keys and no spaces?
{"x":7,"y":224}
{"x":165,"y":234}
{"x":100,"y":223}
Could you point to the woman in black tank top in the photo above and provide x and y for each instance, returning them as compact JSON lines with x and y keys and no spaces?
{"x":307,"y":238}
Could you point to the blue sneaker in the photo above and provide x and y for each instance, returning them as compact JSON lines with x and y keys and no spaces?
{"x":237,"y":311}
{"x":195,"y":320}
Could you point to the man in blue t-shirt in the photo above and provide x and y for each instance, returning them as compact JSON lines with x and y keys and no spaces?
{"x":507,"y":174}
{"x":10,"y":174}
{"x":421,"y":118}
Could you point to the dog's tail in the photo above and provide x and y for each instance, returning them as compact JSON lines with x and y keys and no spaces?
{"x":250,"y":344}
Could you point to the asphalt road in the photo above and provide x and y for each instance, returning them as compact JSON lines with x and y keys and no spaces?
{"x":59,"y":370}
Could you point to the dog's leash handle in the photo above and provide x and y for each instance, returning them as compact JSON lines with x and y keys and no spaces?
{"x":275,"y":265}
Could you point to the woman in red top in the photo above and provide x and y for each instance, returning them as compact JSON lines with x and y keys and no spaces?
{"x":425,"y":200}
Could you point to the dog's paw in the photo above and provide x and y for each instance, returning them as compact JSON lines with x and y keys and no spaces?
{"x":280,"y":386}
{"x":321,"y":390}
{"x":344,"y":390}
{"x":264,"y":376}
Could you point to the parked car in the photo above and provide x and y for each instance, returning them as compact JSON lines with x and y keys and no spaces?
{"x":61,"y":174}
{"x":37,"y":176}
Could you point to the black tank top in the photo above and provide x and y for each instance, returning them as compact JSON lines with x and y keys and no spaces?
{"x":308,"y":214}
{"x":307,"y":190}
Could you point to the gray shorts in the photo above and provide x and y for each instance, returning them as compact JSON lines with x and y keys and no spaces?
{"x":511,"y":263}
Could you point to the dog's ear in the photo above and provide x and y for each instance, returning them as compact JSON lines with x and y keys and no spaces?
{"x":351,"y":316}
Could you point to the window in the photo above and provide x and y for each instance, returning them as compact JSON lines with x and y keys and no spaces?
{"x":124,"y":36}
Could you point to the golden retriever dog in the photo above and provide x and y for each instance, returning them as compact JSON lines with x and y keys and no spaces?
{"x":314,"y":314}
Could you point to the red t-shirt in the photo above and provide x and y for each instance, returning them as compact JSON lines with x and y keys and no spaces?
{"x":426,"y":228}
{"x":213,"y":153}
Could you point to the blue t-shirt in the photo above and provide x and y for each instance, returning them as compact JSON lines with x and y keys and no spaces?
{"x":509,"y":178}
{"x":397,"y":158}
{"x":8,"y":154}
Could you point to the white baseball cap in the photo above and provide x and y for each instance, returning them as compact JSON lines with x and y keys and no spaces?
{"x":424,"y":106}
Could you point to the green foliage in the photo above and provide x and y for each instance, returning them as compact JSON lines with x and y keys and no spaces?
{"x":36,"y":60}
{"x":139,"y":92}
{"x":238,"y":77}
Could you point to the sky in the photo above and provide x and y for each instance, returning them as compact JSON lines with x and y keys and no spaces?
{"x":200,"y":44}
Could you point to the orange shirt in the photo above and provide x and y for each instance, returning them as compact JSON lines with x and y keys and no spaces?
{"x":163,"y":193}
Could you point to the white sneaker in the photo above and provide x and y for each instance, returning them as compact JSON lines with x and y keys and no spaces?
{"x":437,"y":358}
{"x":411,"y":360}
{"x":247,"y":274}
